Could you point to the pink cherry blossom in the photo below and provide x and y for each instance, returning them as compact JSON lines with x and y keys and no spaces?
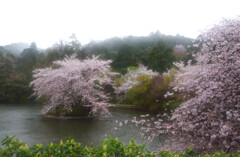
{"x":209,"y":118}
{"x":72,"y":82}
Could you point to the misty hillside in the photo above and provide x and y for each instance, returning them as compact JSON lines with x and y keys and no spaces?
{"x":14,"y":48}
{"x":4,"y":51}
{"x":142,"y":42}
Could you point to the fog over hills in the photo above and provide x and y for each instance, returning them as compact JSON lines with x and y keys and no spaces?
{"x":14,"y":48}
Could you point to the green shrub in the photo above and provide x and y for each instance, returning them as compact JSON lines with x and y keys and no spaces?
{"x":70,"y":148}
{"x":108,"y":148}
{"x":137,"y":94}
{"x":149,"y":94}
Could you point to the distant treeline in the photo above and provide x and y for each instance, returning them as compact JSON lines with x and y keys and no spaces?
{"x":157,"y":51}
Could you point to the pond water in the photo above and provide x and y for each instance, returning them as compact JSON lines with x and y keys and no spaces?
{"x":27,"y":123}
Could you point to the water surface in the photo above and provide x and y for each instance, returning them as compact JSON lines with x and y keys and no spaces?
{"x":27,"y":123}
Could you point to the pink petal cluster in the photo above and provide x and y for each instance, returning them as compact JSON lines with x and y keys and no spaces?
{"x":72,"y":82}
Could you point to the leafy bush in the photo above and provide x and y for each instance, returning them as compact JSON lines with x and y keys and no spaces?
{"x":146,"y":89}
{"x":108,"y":148}
{"x":137,"y":94}
{"x":134,"y":77}
{"x":150,"y":93}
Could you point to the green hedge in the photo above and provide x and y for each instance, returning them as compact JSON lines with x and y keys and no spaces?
{"x":108,"y":148}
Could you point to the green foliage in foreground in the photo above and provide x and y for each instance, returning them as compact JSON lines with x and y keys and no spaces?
{"x":108,"y":148}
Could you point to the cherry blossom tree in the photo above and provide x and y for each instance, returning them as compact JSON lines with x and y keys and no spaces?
{"x":179,"y":50}
{"x":210,"y":116}
{"x":71,"y":82}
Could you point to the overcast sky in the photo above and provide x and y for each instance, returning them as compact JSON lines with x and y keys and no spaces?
{"x":48,"y":21}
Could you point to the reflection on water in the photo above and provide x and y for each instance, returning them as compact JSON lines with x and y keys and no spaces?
{"x":27,"y":123}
